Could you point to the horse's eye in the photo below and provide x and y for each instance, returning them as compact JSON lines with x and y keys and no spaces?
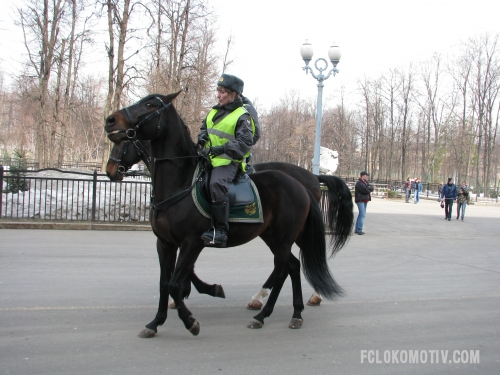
{"x":149,"y":105}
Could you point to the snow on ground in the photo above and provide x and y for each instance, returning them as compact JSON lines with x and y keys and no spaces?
{"x":54,"y":195}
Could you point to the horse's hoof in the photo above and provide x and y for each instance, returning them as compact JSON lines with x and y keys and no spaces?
{"x":172,"y":305}
{"x":195,"y":328}
{"x":219,"y":292}
{"x":314,"y":301}
{"x":295,"y":323}
{"x":254,"y":304}
{"x":255,"y":324}
{"x":147,"y":333}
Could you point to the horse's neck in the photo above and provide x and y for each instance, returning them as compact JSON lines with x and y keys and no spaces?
{"x":174,"y":160}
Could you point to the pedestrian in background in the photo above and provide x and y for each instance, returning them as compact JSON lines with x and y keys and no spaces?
{"x":362,"y":195}
{"x":418,"y":189}
{"x":449,"y":194}
{"x":440,"y":190}
{"x":463,"y":199}
{"x":408,"y":189}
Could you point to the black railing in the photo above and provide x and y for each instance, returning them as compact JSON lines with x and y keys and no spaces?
{"x":90,"y":198}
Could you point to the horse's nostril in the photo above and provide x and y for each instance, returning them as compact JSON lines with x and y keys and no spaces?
{"x":110,"y":120}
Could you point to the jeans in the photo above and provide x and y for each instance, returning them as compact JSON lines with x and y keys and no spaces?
{"x":448,"y":207}
{"x":416,"y":198}
{"x":361,"y":215}
{"x":461,"y":206}
{"x":408,"y":195}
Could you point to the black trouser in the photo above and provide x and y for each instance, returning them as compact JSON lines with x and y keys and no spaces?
{"x":221,"y":179}
{"x":448,"y":207}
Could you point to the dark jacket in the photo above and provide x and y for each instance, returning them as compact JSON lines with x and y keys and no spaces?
{"x":253,"y":112}
{"x":449,"y":191}
{"x":362,"y":191}
{"x":243,"y":139}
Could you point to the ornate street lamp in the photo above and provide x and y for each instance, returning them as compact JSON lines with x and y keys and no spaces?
{"x":334,"y":54}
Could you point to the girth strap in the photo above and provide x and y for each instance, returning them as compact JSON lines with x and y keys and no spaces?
{"x":177,"y":197}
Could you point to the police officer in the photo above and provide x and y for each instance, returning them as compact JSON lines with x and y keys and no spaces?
{"x":227,"y":136}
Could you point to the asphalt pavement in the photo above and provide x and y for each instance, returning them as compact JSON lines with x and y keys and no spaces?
{"x":420,"y":291}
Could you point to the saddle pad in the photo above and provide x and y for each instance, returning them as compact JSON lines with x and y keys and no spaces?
{"x":250,"y":212}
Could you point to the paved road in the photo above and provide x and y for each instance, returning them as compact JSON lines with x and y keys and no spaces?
{"x":73,"y":302}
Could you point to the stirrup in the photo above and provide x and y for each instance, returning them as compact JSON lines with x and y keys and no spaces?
{"x":209,"y":238}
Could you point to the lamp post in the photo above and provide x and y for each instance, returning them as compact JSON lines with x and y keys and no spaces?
{"x":334,"y":54}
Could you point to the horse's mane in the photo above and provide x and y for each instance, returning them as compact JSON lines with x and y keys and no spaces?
{"x":167,"y":99}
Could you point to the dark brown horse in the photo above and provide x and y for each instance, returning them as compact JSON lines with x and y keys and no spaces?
{"x":291,"y":214}
{"x":127,"y":153}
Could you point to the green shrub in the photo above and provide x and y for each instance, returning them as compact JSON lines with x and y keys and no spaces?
{"x":17,"y":182}
{"x":392,"y":194}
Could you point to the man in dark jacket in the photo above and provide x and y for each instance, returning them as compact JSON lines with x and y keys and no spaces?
{"x":362,"y":195}
{"x":227,"y":136}
{"x":449,"y":194}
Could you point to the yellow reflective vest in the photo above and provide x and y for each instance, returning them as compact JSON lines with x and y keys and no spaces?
{"x":223,"y":132}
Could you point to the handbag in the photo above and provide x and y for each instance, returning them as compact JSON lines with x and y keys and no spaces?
{"x":442,"y":204}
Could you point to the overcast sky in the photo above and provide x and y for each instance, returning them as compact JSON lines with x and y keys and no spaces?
{"x":374,"y":36}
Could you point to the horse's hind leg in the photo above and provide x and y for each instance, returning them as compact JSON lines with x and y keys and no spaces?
{"x":167,"y":253}
{"x":214,"y":290}
{"x":257,"y":301}
{"x":279,"y":276}
{"x":298,"y":301}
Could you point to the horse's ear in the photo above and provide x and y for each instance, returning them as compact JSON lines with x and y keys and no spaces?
{"x":170,"y":97}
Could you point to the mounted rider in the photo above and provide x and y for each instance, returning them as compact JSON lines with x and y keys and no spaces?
{"x":227,"y":137}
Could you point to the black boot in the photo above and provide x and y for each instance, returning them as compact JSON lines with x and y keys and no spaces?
{"x":217,"y":235}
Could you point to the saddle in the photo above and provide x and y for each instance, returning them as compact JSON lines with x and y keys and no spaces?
{"x":240,"y":192}
{"x":244,"y":199}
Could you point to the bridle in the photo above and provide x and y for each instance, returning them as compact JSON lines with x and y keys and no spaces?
{"x":132,"y":137}
{"x":140,"y":149}
{"x":132,"y":133}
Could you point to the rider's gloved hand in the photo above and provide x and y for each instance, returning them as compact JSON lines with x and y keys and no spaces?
{"x":202,"y":139}
{"x":217,"y":150}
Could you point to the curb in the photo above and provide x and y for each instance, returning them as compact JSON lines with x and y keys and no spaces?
{"x":74,"y":226}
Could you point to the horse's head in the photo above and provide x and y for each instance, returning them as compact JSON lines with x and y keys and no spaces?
{"x":124,"y":155}
{"x":139,"y":121}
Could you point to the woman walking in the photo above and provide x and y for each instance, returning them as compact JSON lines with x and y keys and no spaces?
{"x":463,"y":200}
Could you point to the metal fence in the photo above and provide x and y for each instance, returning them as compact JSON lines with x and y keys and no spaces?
{"x":27,"y":195}
{"x":87,"y":197}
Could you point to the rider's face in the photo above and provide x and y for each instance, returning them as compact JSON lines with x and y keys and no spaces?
{"x":225,"y":96}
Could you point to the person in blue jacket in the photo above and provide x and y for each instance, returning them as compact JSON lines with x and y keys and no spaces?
{"x":449,"y":194}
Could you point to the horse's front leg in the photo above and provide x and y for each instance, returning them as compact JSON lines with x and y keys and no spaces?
{"x":167,"y":254}
{"x":189,"y":252}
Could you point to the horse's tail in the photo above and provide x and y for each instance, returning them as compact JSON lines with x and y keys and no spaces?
{"x":313,"y":253}
{"x":339,"y":209}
